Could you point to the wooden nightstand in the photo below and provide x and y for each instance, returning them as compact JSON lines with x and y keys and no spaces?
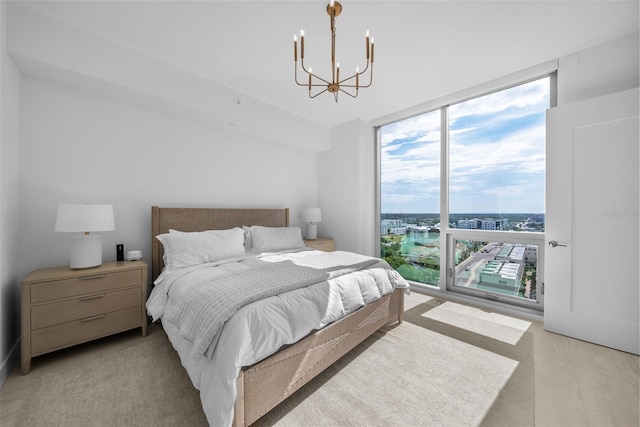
{"x":62,"y":307}
{"x":322,"y":244}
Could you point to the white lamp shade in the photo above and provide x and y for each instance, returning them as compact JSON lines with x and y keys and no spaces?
{"x":86,"y":249}
{"x":311,"y":215}
{"x":85,"y":218}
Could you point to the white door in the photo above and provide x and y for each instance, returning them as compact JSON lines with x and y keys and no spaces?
{"x":591,"y":280}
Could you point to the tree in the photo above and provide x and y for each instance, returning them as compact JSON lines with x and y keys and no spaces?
{"x":395,"y":261}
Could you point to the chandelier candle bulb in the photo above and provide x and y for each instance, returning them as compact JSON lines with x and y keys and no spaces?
{"x":367,"y":42}
{"x":338,"y":72}
{"x":372,"y":47}
{"x":357,"y":77}
{"x":295,"y":48}
{"x":301,"y":44}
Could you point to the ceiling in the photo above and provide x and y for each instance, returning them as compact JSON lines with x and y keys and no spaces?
{"x":231,"y":62}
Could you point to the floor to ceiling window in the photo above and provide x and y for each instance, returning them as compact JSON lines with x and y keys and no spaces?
{"x":410,"y":206}
{"x":462,"y":194}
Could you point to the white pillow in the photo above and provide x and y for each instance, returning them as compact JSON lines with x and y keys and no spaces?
{"x":182,"y":249}
{"x":274,"y":239}
{"x":247,"y":239}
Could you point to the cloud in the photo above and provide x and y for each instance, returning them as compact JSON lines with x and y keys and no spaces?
{"x":522,"y":150}
{"x":509,"y":102}
{"x":412,"y":130}
{"x":496,"y":148}
{"x":410,"y":150}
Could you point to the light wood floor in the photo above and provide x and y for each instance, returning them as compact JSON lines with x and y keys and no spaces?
{"x":576,"y":383}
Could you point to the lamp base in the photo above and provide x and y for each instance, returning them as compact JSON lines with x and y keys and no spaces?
{"x":86,"y":251}
{"x":312,"y":231}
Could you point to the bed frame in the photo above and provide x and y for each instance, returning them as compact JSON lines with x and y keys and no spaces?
{"x":264,"y":385}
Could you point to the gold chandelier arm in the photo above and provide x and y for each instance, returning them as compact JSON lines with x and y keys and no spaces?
{"x":314,"y":75}
{"x":359,"y":85}
{"x":353,"y":76}
{"x":295,"y":73}
{"x":366,"y":67}
{"x":306,"y":84}
{"x":350,"y":94}
{"x":370,"y":81}
{"x":319,"y":93}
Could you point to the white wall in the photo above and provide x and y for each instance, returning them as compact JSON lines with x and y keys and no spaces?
{"x":9,"y":204}
{"x":46,"y":46}
{"x":604,"y":69}
{"x":345,"y":188}
{"x":78,"y":147}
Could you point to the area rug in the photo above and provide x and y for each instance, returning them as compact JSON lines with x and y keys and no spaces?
{"x":424,"y":372}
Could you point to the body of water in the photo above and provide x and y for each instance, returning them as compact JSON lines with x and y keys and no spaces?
{"x":415,"y":245}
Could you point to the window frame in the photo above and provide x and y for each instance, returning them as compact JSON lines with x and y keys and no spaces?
{"x":517,"y":237}
{"x":448,"y":235}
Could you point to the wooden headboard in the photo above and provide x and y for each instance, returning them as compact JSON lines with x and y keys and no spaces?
{"x":200,"y":219}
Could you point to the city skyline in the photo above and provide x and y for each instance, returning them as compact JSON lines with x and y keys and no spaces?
{"x":464,"y":213}
{"x":526,"y":221}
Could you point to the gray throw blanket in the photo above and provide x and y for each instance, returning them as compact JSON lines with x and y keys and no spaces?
{"x":203,"y":311}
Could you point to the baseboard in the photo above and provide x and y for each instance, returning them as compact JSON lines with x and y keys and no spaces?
{"x":9,"y":362}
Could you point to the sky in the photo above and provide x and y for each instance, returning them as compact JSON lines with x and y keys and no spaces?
{"x":496,"y":156}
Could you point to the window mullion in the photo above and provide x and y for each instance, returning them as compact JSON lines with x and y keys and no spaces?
{"x":444,"y":196}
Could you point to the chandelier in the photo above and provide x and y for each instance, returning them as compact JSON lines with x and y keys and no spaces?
{"x":349,"y":85}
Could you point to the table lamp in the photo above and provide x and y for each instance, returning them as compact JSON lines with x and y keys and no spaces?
{"x":86,"y":249}
{"x":311,"y":216}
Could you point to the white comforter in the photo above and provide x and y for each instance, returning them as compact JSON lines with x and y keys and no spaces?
{"x":259,"y":329}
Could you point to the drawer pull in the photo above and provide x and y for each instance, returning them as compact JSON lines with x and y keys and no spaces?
{"x":89,"y":319}
{"x":97,"y":276}
{"x":90,"y":297}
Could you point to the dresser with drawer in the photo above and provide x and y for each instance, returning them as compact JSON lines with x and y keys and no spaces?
{"x":62,"y":307}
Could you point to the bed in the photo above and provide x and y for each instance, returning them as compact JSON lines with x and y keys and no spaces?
{"x":252,"y":389}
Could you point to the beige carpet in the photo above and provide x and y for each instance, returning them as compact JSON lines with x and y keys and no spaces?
{"x":144,"y":384}
{"x":424,"y":372}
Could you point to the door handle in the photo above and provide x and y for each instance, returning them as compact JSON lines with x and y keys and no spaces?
{"x":553,"y":244}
